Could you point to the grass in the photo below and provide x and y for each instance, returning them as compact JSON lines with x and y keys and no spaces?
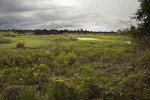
{"x":73,"y":69}
{"x":37,"y":41}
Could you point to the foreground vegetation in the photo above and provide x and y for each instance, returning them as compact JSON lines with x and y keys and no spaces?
{"x":61,"y":67}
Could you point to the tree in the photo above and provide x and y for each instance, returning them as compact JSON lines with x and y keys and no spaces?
{"x":133,"y":31}
{"x":143,"y":17}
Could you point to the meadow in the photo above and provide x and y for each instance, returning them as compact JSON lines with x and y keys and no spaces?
{"x":63,"y":67}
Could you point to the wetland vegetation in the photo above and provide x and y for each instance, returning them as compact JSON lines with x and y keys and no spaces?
{"x":62,"y":67}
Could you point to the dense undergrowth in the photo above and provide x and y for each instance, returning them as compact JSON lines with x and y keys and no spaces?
{"x":65,"y":68}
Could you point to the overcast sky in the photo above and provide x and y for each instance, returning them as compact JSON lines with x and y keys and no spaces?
{"x":96,"y":15}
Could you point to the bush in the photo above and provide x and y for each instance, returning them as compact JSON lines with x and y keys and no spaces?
{"x":41,"y":73}
{"x":65,"y":39}
{"x":135,"y":87}
{"x":20,"y":45}
{"x":12,"y":92}
{"x":9,"y":34}
{"x":3,"y":40}
{"x":59,"y":91}
{"x":28,"y":93}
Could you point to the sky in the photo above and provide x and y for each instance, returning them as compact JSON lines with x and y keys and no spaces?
{"x":93,"y":15}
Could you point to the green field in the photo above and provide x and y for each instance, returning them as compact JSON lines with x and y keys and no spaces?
{"x":61,"y":67}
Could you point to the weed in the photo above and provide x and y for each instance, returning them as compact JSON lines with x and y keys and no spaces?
{"x":20,"y":45}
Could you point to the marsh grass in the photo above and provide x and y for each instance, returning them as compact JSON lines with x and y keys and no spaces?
{"x":77,"y":69}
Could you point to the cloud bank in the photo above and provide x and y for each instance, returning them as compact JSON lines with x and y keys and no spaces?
{"x":96,"y":15}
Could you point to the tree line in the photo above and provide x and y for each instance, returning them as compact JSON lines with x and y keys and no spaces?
{"x":53,"y":31}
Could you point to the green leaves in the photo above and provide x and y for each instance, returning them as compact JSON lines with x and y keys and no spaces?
{"x":143,"y":16}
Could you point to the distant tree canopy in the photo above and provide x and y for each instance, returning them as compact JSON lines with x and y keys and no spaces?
{"x":143,"y":17}
{"x":54,"y":31}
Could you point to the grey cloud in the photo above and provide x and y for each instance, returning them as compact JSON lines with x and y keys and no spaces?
{"x":13,"y":6}
{"x":61,"y":25}
{"x":88,"y":14}
{"x":125,"y":21}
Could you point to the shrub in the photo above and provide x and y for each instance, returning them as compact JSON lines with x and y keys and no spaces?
{"x":20,"y":45}
{"x":135,"y":87}
{"x":3,"y":40}
{"x":65,"y":39}
{"x":41,"y":73}
{"x":9,"y":34}
{"x":59,"y":91}
{"x":146,"y":60}
{"x":12,"y":92}
{"x":28,"y":93}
